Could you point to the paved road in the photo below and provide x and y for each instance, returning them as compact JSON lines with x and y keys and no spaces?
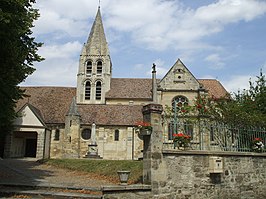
{"x":27,"y":171}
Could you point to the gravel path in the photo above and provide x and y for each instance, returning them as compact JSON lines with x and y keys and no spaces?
{"x":27,"y":171}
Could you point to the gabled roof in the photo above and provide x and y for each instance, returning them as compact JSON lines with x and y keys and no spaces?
{"x":33,"y":110}
{"x":52,"y":102}
{"x":179,"y":77}
{"x":125,"y":88}
{"x":214,"y":88}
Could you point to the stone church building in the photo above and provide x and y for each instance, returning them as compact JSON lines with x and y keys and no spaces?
{"x":58,"y":122}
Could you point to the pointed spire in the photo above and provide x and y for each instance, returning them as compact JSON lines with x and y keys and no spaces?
{"x":73,"y":109}
{"x":97,"y":44}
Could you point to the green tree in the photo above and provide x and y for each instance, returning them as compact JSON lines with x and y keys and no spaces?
{"x":18,"y":53}
{"x":246,"y":108}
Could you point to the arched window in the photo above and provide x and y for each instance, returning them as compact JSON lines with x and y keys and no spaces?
{"x":116,"y":135}
{"x":98,"y":90}
{"x":57,"y":135}
{"x":99,"y":67}
{"x":86,"y":134}
{"x":88,"y":91}
{"x":89,"y":68}
{"x":179,"y":103}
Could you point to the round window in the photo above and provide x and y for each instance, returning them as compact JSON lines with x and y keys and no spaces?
{"x":86,"y":134}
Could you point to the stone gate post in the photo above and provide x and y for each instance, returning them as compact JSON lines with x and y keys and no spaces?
{"x":152,"y":150}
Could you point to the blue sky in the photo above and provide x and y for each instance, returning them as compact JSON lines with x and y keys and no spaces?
{"x":218,"y":39}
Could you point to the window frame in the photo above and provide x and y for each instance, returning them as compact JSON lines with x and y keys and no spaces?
{"x":98,"y":90}
{"x":87,"y":92}
{"x":86,"y":137}
{"x":116,"y":135}
{"x":89,"y":67}
{"x":57,"y":135}
{"x":99,"y":68}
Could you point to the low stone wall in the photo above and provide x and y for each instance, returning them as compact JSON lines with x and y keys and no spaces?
{"x":137,"y":191}
{"x":187,"y":175}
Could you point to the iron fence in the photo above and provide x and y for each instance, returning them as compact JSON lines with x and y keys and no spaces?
{"x":215,"y":136}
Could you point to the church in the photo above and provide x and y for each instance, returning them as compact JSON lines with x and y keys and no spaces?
{"x":101,"y":112}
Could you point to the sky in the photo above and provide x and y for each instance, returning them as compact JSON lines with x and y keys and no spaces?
{"x":215,"y":39}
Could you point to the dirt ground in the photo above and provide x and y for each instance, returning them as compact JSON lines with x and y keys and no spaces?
{"x":28,"y":171}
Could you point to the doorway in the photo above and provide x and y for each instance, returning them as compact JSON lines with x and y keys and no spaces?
{"x":31,"y":147}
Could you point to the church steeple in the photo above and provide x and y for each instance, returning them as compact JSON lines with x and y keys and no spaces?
{"x":96,"y":44}
{"x":95,"y":67}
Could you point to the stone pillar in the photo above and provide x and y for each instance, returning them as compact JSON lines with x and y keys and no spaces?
{"x":152,"y":151}
{"x":93,"y":149}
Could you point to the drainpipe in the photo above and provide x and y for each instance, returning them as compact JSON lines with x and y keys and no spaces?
{"x":154,"y":84}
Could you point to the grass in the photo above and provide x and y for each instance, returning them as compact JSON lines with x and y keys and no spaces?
{"x":105,"y":168}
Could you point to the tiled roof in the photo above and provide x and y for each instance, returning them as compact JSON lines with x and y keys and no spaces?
{"x":110,"y":114}
{"x":52,"y":102}
{"x":124,"y":88}
{"x":214,"y":87}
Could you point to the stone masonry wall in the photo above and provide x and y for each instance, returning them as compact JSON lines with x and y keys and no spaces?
{"x":187,"y":176}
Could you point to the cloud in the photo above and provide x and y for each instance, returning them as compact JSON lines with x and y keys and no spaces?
{"x":238,"y":83}
{"x":215,"y":60}
{"x":59,"y":67}
{"x":60,"y":73}
{"x":59,"y":51}
{"x":168,"y":26}
{"x":163,"y":24}
{"x":67,"y":18}
{"x":160,"y":69}
{"x":152,"y":24}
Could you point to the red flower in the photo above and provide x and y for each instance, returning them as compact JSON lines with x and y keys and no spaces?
{"x":199,"y":106}
{"x":187,"y":136}
{"x":180,"y":135}
{"x":143,"y":123}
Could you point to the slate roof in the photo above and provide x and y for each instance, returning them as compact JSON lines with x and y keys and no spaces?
{"x":214,"y":88}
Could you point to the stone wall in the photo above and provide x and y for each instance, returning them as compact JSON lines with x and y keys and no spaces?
{"x":187,"y":175}
{"x":72,"y":145}
{"x":190,"y":174}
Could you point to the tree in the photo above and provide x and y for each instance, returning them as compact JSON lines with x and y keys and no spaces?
{"x":246,"y":108}
{"x":18,"y":53}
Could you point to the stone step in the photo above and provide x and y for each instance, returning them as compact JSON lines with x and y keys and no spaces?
{"x":41,"y":192}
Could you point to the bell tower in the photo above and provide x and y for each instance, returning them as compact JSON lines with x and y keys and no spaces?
{"x":95,"y":66}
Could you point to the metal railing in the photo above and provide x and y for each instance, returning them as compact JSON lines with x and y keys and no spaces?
{"x":215,"y":136}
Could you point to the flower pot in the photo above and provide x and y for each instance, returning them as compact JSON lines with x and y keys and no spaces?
{"x":123,"y":177}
